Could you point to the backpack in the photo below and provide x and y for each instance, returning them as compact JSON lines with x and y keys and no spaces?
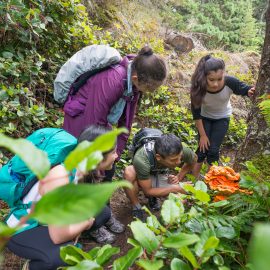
{"x":84,"y":64}
{"x":16,"y":179}
{"x":146,"y":137}
{"x":81,"y":66}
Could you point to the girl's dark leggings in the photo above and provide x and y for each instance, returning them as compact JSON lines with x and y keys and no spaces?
{"x":36,"y":245}
{"x":215,"y":130}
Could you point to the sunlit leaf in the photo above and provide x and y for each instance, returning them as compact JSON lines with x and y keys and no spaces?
{"x":126,"y":261}
{"x":187,"y":253}
{"x":36,"y":160}
{"x":178,"y":264}
{"x":105,"y":253}
{"x":180,"y":240}
{"x":172,"y":211}
{"x":71,"y":203}
{"x":73,"y":255}
{"x":144,"y":236}
{"x":102,"y":143}
{"x":150,"y":264}
{"x":85,"y":265}
{"x":260,"y":246}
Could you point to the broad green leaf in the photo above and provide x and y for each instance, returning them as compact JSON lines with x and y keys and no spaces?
{"x":194,"y":226}
{"x":72,"y":204}
{"x":178,"y":264}
{"x":153,"y":223}
{"x":36,"y":160}
{"x":260,"y":246}
{"x":218,"y":260}
{"x":212,"y":242}
{"x":202,"y":196}
{"x":73,"y":255}
{"x":5,"y":233}
{"x":226,"y":232}
{"x":124,"y":262}
{"x":150,"y":265}
{"x":133,"y":242}
{"x":102,"y":143}
{"x":199,"y":194}
{"x":90,"y":163}
{"x":247,"y":181}
{"x":144,"y":236}
{"x":7,"y":54}
{"x":86,"y":265}
{"x":105,"y":253}
{"x":224,"y":268}
{"x":200,"y":185}
{"x":219,"y":204}
{"x":187,"y":253}
{"x":189,"y":188}
{"x":180,"y":240}
{"x":199,"y":247}
{"x":93,"y":252}
{"x":171,"y":211}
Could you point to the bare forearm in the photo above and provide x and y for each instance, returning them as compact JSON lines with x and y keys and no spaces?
{"x":186,"y":168}
{"x":164,"y":191}
{"x":199,"y":126}
{"x":63,"y":234}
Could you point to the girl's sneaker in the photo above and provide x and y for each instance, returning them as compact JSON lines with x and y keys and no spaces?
{"x":115,"y":225}
{"x":103,"y":236}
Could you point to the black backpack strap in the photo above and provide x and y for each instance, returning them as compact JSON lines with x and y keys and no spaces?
{"x":28,"y":187}
{"x":149,"y":147}
{"x":81,"y":81}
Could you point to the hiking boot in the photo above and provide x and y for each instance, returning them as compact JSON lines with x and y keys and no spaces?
{"x":102,"y":236}
{"x":115,"y":225}
{"x":140,"y":214}
{"x":154,"y":203}
{"x":26,"y":265}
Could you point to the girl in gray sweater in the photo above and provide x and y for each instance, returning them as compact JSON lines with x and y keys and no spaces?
{"x":211,"y":90}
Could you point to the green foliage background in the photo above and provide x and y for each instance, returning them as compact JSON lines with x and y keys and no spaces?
{"x":232,"y":25}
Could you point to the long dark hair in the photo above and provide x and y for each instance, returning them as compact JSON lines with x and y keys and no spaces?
{"x":149,"y":66}
{"x":198,"y":79}
{"x":90,"y":134}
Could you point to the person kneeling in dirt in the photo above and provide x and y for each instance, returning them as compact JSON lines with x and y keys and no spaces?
{"x":166,"y":152}
{"x":40,"y":244}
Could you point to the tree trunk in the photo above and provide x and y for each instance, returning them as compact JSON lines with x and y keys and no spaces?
{"x":257,"y":141}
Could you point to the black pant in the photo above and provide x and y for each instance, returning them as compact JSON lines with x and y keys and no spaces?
{"x":215,"y":131}
{"x":36,"y":245}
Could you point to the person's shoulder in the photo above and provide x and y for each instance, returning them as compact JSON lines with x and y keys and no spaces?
{"x":236,"y":86}
{"x":140,"y":155}
{"x":231,"y":81}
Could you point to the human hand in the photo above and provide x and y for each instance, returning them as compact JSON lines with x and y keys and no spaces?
{"x":90,"y":223}
{"x":204,"y":143}
{"x":178,"y":189}
{"x":173,"y":179}
{"x":251,"y":92}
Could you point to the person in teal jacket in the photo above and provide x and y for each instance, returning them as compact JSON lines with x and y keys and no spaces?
{"x":40,"y":244}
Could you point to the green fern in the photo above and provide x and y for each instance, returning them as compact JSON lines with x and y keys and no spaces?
{"x":265,"y":109}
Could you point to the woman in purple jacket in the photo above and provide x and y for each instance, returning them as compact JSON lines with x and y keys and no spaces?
{"x":93,"y":102}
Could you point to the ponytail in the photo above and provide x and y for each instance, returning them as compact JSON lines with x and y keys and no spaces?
{"x":199,"y":80}
{"x":149,"y":66}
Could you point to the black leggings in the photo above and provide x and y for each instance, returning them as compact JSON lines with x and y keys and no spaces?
{"x":36,"y":245}
{"x":215,"y":131}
